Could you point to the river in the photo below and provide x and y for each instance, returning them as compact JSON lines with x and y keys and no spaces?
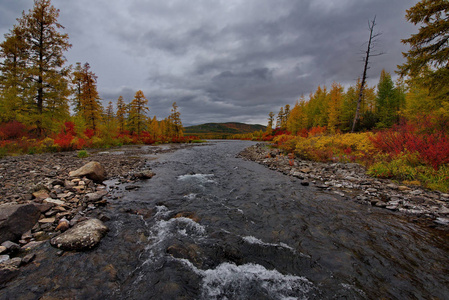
{"x":213,"y":226}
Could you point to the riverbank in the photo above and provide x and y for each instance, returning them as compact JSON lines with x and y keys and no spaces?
{"x":349,"y":180}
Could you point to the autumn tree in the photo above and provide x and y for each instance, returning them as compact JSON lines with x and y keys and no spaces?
{"x":317,"y":107}
{"x":269,"y":129}
{"x":122,"y":110}
{"x":45,"y":71}
{"x":297,"y":120}
{"x":428,"y":57}
{"x":175,"y":125}
{"x":91,"y":108}
{"x":137,"y":119}
{"x":109,"y":115}
{"x":13,"y":89}
{"x":334,"y":106}
{"x":389,"y":101}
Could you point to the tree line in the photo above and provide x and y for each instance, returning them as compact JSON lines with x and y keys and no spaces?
{"x":38,"y":89}
{"x":421,"y":90}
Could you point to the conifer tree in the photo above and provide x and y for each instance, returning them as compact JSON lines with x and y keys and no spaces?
{"x":45,"y":71}
{"x":428,"y":56}
{"x":334,"y":106}
{"x":91,"y":107}
{"x":122,"y":110}
{"x":269,"y":129}
{"x":176,"y":128}
{"x":137,"y":120}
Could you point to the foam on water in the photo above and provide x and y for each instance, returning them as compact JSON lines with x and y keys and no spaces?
{"x":201,"y":178}
{"x":229,"y":281}
{"x":253,"y":240}
{"x":190,"y":196}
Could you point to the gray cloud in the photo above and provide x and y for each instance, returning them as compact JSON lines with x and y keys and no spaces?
{"x":225,"y":60}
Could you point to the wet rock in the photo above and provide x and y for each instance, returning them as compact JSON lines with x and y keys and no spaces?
{"x":92,"y":197}
{"x":304,"y":183}
{"x":3,"y":249}
{"x":4,"y":258}
{"x":145,"y":174}
{"x":82,"y":236}
{"x":442,"y":221}
{"x":188,"y":215}
{"x":28,"y":258}
{"x":7,"y":273}
{"x":92,"y":170}
{"x":10,"y":246}
{"x":131,"y":187}
{"x":16,"y":220}
{"x":63,"y":225}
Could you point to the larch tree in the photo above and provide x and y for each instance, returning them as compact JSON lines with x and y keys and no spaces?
{"x":109,"y":116}
{"x":297,"y":120}
{"x":175,"y":123}
{"x":45,"y":63}
{"x":91,"y":107}
{"x":122,"y":111}
{"x":137,"y":119}
{"x":428,"y":57}
{"x":334,"y":106}
{"x":269,"y":129}
{"x":280,"y":118}
{"x":13,"y":89}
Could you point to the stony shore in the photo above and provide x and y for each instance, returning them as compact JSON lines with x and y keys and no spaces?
{"x":42,"y":198}
{"x":349,"y":180}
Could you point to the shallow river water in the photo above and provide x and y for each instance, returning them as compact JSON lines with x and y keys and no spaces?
{"x":212,"y":226}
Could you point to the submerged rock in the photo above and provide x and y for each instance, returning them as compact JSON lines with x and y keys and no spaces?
{"x":15,"y":220}
{"x":92,"y":170}
{"x":82,"y":236}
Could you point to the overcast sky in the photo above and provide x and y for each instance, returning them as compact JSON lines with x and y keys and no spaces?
{"x":224,"y":60}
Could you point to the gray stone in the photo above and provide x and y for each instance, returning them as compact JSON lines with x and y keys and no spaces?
{"x":82,"y":236}
{"x":28,"y":258}
{"x":7,"y":273}
{"x":442,"y":221}
{"x":3,"y":258}
{"x":15,"y":220}
{"x":92,"y":197}
{"x":92,"y":170}
{"x":54,"y":201}
{"x":10,"y":246}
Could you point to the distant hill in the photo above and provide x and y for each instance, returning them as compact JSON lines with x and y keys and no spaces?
{"x":221,"y":130}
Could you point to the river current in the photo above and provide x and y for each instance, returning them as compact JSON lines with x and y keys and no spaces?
{"x":213,"y":226}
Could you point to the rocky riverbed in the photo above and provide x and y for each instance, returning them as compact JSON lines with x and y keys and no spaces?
{"x":349,"y":180}
{"x":41,"y":196}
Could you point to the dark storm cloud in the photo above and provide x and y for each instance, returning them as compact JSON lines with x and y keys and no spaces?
{"x":233,"y":60}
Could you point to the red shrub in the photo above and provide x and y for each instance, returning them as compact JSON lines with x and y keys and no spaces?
{"x":64,"y":141}
{"x":12,"y":130}
{"x":432,"y":144}
{"x":317,"y":130}
{"x":89,"y":133}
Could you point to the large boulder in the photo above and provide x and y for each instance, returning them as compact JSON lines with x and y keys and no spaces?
{"x":17,"y":219}
{"x":82,"y":236}
{"x":92,"y":170}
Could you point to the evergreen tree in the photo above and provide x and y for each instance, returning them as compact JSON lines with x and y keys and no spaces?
{"x":428,"y":56}
{"x":387,"y":101}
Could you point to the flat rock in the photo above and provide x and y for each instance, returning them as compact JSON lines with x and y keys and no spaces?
{"x":82,"y":236}
{"x":7,"y":272}
{"x":95,"y":196}
{"x":92,"y":170}
{"x":15,"y":220}
{"x":54,"y":201}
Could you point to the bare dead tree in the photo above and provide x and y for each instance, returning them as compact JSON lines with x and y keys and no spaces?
{"x":369,"y":53}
